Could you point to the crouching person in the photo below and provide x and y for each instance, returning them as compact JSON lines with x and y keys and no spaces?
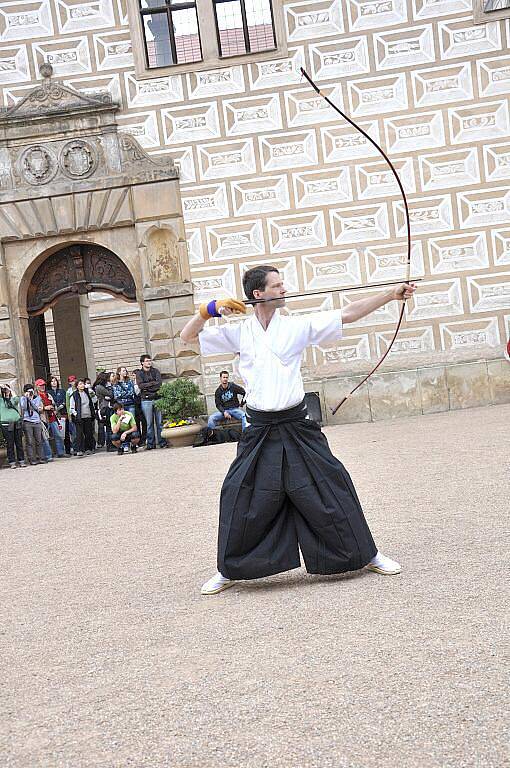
{"x":124,"y":432}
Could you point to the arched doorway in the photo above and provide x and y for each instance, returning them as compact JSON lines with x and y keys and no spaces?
{"x":61,"y":283}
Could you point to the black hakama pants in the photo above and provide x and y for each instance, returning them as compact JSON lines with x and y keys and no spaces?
{"x":285,"y":491}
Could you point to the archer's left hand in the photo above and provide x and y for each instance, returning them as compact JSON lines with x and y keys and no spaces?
{"x":404,"y":291}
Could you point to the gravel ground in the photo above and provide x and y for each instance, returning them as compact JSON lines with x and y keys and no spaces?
{"x":110,"y":656}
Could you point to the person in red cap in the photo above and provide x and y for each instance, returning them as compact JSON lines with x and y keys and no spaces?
{"x":49,"y":417}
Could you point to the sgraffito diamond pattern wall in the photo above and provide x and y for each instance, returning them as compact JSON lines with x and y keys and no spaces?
{"x":269,"y":172}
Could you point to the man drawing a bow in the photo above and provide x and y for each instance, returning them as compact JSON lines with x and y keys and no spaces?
{"x":285,"y":491}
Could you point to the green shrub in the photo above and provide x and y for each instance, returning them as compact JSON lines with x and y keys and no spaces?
{"x":180,"y":399}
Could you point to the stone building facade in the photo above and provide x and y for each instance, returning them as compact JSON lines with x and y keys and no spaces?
{"x":268,"y":172}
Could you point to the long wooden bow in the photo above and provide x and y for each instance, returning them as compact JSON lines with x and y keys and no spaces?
{"x":408,"y":227}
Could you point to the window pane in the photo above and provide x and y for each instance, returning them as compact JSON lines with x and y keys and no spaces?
{"x":157,"y":40}
{"x":244,"y":26}
{"x":260,"y":25}
{"x":187,"y":38}
{"x":230,"y":28}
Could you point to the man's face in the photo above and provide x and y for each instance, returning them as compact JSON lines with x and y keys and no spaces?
{"x":274,"y":290}
{"x":147,"y":364}
{"x":224,"y":380}
{"x":120,"y":412}
{"x":81,"y":386}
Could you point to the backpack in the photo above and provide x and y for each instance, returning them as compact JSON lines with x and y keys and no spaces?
{"x":208,"y":436}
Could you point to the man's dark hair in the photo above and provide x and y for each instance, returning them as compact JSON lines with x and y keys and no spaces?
{"x":255,"y":279}
{"x":222,"y":372}
{"x":144,"y":357}
{"x":117,"y":406}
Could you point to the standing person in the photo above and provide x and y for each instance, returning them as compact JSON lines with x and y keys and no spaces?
{"x":285,"y":491}
{"x":71,"y":428}
{"x":58,"y":394}
{"x":31,"y":407}
{"x":124,"y":389}
{"x":124,"y":432}
{"x":90,"y":390}
{"x":11,"y":426}
{"x":104,"y":394}
{"x":226,"y":398}
{"x":49,"y":417}
{"x":148,"y":379}
{"x":83,"y":413}
{"x":141,"y":424}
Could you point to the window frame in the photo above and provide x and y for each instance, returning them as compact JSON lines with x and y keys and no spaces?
{"x":166,"y":9}
{"x":483,"y":17}
{"x":209,"y":43}
{"x":246,"y":34}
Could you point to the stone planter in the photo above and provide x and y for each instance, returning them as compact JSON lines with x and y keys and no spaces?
{"x":179,"y":437}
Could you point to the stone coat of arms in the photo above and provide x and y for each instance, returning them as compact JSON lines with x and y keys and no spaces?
{"x":78,"y":159}
{"x":37,"y":165}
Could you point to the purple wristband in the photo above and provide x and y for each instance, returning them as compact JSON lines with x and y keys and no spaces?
{"x":211,"y":309}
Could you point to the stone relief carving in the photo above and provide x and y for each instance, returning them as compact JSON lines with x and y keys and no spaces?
{"x":133,"y":153}
{"x":163,"y":257}
{"x":53,"y":96}
{"x":38,"y":165}
{"x":23,"y":162}
{"x":79,"y":269}
{"x":78,"y":159}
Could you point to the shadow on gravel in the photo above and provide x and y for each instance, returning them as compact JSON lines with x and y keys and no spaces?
{"x":272,"y":584}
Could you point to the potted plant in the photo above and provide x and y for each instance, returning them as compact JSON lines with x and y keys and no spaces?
{"x":180,"y":402}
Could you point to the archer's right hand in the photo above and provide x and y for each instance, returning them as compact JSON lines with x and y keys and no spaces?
{"x":219,"y":307}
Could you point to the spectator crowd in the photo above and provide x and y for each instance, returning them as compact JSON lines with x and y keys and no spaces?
{"x":115,"y":412}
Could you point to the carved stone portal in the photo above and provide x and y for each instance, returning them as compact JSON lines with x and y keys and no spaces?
{"x":74,"y":186}
{"x":78,"y":269}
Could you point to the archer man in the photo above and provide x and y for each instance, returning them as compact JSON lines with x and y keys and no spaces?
{"x":285,"y":491}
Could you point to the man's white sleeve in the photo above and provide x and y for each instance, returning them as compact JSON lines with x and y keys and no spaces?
{"x":325,"y":327}
{"x":221,"y":338}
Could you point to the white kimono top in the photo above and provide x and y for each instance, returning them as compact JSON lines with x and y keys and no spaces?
{"x":270,"y":360}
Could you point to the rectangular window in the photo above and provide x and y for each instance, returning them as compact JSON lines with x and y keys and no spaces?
{"x":177,"y":36}
{"x":171,"y":32}
{"x":244,"y":26}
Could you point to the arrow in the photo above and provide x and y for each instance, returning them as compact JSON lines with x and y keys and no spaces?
{"x":331,"y":290}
